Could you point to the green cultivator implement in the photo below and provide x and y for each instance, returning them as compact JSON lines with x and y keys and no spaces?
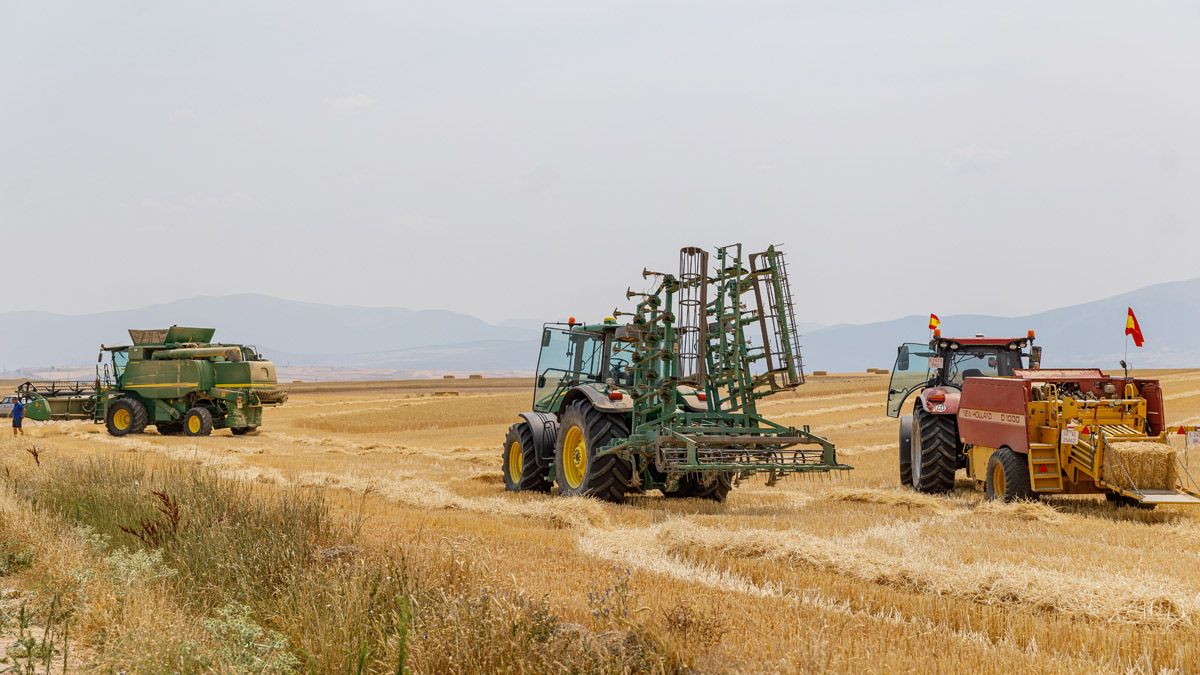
{"x":175,"y":379}
{"x":668,"y":400}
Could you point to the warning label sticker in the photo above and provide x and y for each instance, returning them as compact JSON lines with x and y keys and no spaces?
{"x":992,"y":416}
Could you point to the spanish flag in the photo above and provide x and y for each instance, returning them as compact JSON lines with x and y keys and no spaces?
{"x":934,"y":322}
{"x":1134,"y":329}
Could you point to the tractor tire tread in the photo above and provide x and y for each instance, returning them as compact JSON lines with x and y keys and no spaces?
{"x":608,"y":478}
{"x":1017,"y":485}
{"x":939,"y":451}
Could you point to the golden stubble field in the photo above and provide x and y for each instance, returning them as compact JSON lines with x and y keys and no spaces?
{"x":850,"y":573}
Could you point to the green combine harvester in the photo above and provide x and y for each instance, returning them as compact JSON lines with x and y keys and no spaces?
{"x":668,"y":400}
{"x":175,"y":379}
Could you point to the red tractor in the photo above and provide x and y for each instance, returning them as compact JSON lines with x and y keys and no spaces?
{"x":931,"y":448}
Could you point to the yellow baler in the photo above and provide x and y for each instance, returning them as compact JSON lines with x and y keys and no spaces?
{"x":1072,"y":431}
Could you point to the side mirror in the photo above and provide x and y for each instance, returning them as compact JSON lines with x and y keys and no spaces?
{"x":541,"y":381}
{"x":545,"y":338}
{"x":902,"y":361}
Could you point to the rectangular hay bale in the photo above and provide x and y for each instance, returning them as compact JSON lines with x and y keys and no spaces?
{"x":1150,"y":465}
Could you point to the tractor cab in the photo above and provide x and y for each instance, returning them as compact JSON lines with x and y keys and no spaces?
{"x":947,"y":362}
{"x":574,"y":355}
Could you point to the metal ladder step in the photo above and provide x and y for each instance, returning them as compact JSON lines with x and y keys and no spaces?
{"x":1045,"y":471}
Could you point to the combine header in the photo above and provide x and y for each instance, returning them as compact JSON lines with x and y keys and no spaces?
{"x":176,"y":379}
{"x":668,"y":400}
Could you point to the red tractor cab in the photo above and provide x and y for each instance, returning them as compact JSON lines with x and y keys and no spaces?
{"x":930,"y":448}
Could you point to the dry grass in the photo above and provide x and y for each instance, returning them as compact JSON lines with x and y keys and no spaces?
{"x":850,"y":574}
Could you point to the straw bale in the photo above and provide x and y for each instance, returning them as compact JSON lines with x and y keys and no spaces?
{"x":1150,"y":465}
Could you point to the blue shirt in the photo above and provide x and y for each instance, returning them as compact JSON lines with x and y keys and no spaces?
{"x":18,"y":411}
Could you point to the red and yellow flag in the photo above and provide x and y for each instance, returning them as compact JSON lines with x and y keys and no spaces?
{"x":934,"y":322}
{"x":1134,"y":329}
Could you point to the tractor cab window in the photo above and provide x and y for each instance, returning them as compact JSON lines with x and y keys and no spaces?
{"x":620,"y":362}
{"x":990,"y":363}
{"x":910,"y":373}
{"x":569,"y":357}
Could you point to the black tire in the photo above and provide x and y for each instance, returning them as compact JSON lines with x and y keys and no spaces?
{"x":692,"y":486}
{"x":935,"y":452}
{"x":525,"y":475}
{"x":197,"y":422}
{"x":1012,"y":469}
{"x":242,"y":431}
{"x":169,"y":428}
{"x":126,"y":416}
{"x":607,"y":477}
{"x":906,"y":436}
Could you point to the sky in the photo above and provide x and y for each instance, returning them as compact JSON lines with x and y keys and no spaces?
{"x":528,"y":159}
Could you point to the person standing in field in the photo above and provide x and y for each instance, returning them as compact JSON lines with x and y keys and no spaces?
{"x":18,"y":415}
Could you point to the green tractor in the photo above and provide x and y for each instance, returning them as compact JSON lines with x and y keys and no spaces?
{"x":667,"y":401}
{"x":174,"y":379}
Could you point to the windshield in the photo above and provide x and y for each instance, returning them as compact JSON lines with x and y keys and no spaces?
{"x":120,"y":360}
{"x":989,"y":362}
{"x":569,"y":357}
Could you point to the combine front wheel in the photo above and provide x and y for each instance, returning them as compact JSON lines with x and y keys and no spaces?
{"x":197,"y":422}
{"x":582,"y":431}
{"x":242,"y":431}
{"x":1007,"y":477}
{"x":519,"y":461}
{"x":934,"y":452}
{"x":126,"y":416}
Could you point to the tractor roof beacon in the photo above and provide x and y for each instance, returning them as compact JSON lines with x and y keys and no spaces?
{"x":930,"y":449}
{"x":667,"y":400}
{"x":175,"y":379}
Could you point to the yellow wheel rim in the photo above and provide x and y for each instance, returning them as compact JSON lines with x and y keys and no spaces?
{"x":514,"y":462}
{"x":998,"y":482}
{"x":122,"y":419}
{"x":574,"y":457}
{"x":193,"y":423}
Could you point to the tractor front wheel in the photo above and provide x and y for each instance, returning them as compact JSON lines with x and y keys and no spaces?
{"x":934,"y":451}
{"x":1007,"y":477}
{"x":582,"y":431}
{"x":519,"y":462}
{"x":126,"y":416}
{"x":197,"y":422}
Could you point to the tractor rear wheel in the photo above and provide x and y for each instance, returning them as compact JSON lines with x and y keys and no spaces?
{"x":1008,"y":477}
{"x":693,"y":486}
{"x":906,"y":439}
{"x":126,"y":416}
{"x":242,"y":431}
{"x":519,"y":462}
{"x":197,"y":422}
{"x":934,"y":452}
{"x":578,"y":471}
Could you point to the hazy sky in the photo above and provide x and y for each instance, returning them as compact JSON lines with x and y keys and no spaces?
{"x":529,"y":158}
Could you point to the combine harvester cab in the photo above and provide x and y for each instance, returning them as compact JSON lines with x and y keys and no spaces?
{"x":668,"y":400}
{"x":1075,"y":431}
{"x":175,"y":379}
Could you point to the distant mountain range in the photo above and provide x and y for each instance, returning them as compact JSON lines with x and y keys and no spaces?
{"x":1090,"y":334}
{"x":396,"y":342}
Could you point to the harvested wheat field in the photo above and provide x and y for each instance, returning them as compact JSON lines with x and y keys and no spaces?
{"x":388,"y":542}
